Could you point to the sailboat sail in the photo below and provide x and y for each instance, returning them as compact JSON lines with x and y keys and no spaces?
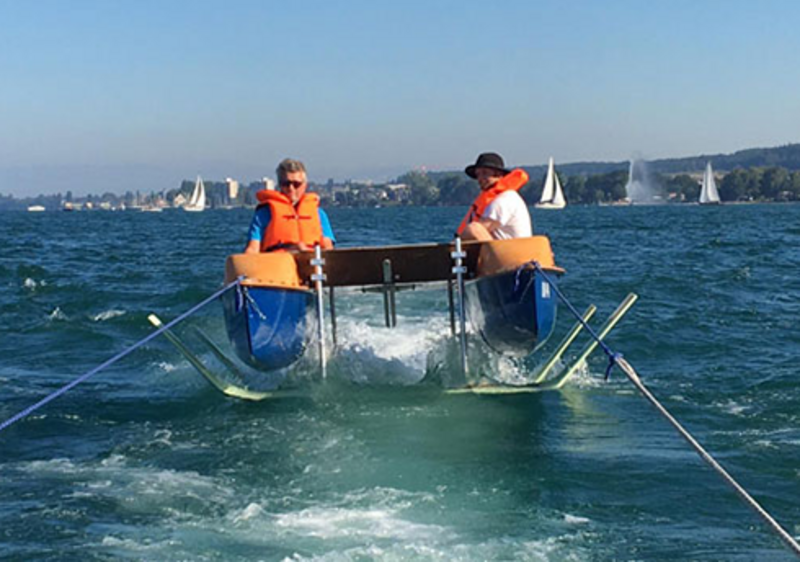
{"x":708,"y":193}
{"x":197,"y":201}
{"x":552,"y":194}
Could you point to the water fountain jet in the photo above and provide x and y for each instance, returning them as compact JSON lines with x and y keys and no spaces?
{"x":641,"y":188}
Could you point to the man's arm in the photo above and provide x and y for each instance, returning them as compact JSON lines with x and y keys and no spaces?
{"x":490,"y":224}
{"x":260,"y":220}
{"x":253,"y":247}
{"x":476,"y":231}
{"x":328,"y":238}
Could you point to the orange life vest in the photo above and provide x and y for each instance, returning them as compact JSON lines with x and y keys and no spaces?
{"x":290,"y":224}
{"x":513,"y":180}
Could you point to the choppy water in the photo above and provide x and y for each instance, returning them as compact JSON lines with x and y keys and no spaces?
{"x":145,"y":461}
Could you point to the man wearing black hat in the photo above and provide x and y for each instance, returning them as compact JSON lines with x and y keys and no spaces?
{"x":499,"y":212}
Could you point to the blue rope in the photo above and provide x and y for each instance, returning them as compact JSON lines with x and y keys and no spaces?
{"x":612,"y":356}
{"x":30,"y":409}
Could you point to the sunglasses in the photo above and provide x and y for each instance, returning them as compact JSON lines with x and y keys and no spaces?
{"x":293,"y":184}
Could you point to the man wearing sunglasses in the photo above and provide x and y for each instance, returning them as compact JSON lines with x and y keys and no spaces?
{"x":289,"y":219}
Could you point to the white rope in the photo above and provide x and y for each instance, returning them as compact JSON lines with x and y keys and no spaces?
{"x":784,"y":535}
{"x":52,"y":396}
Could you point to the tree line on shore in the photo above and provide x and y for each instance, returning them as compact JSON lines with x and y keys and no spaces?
{"x":753,"y":184}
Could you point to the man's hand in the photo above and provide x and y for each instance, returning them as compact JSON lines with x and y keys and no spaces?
{"x":325,"y":244}
{"x":254,"y":246}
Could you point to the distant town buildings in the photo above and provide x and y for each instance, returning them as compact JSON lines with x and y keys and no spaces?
{"x":233,"y":188}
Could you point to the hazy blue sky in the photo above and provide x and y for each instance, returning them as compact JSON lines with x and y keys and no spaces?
{"x":109,"y":95}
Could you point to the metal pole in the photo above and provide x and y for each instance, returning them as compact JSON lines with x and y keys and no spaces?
{"x":332,"y":303}
{"x":388,"y":294}
{"x":451,"y":307}
{"x":458,"y":255}
{"x":393,"y":305}
{"x":318,"y":277}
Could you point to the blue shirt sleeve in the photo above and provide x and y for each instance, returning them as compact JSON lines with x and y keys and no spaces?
{"x":327,"y":231}
{"x":258,"y":225}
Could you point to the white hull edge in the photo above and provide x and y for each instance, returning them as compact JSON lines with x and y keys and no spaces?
{"x":553,"y":206}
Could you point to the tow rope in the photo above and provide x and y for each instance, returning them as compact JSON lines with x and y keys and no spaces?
{"x":616,"y":359}
{"x":52,"y":396}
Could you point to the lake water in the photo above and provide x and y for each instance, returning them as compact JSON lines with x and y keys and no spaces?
{"x":146,"y":461}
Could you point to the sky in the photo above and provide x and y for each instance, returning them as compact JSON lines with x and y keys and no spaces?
{"x":107,"y":96}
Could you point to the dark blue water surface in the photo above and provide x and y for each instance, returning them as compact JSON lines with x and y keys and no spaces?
{"x":146,"y":461}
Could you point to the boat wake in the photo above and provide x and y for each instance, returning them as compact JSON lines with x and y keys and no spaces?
{"x":368,"y":355}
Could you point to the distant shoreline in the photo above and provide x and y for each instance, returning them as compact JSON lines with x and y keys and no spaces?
{"x":170,"y":210}
{"x":752,"y":175}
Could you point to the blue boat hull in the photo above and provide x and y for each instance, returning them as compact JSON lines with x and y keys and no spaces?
{"x":270,"y":317}
{"x":514,"y":312}
{"x":268,"y":327}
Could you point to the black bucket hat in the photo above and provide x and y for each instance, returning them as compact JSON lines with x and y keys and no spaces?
{"x":487,"y":160}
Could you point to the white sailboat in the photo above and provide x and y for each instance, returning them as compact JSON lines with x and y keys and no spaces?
{"x":552,"y":194}
{"x":708,"y":193}
{"x":197,"y":202}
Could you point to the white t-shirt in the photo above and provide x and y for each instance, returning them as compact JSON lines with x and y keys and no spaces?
{"x":510,"y":211}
